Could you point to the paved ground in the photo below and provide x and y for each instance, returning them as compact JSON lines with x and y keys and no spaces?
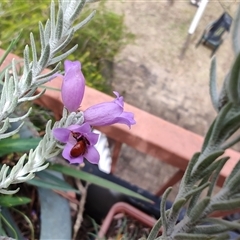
{"x":151,"y":76}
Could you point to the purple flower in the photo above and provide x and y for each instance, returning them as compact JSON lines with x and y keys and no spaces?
{"x":73,"y":85}
{"x":80,"y":143}
{"x":108,"y":113}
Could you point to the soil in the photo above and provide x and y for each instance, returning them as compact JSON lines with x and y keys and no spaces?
{"x":151,"y":76}
{"x":124,"y":227}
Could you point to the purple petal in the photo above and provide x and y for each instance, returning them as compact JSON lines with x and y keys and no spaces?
{"x":92,"y":155}
{"x":77,"y":160}
{"x":61,"y":134}
{"x":84,"y":128}
{"x":73,"y":85}
{"x":66,"y":151}
{"x":68,"y":65}
{"x":119,"y":99}
{"x":102,"y":114}
{"x":92,"y":137}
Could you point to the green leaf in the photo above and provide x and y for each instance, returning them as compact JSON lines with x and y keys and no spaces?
{"x":192,"y":236}
{"x":9,"y":201}
{"x":12,"y":229}
{"x":233,"y":84}
{"x":225,"y":205}
{"x":10,"y":48}
{"x":206,"y":162}
{"x":213,"y":84}
{"x":235,"y":170}
{"x":46,"y":180}
{"x":9,"y":145}
{"x":198,"y":210}
{"x":218,"y":124}
{"x":95,"y":180}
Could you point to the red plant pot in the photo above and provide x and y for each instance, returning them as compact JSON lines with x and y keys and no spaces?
{"x":122,"y":207}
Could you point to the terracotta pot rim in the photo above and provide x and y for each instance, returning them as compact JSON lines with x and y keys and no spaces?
{"x":128,"y":209}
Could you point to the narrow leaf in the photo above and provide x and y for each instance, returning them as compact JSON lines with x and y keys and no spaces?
{"x":95,"y":180}
{"x":198,"y":210}
{"x":230,"y":204}
{"x":213,"y":84}
{"x":9,"y":201}
{"x":233,"y":81}
{"x":235,"y":170}
{"x":216,"y":175}
{"x":192,"y":236}
{"x":8,"y":146}
{"x":163,"y":211}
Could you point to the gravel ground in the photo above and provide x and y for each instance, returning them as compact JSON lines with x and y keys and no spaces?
{"x":151,"y":76}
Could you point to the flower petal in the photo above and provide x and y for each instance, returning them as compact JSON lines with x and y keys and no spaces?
{"x":92,"y":155}
{"x":102,"y":114}
{"x":78,"y":159}
{"x":61,"y":134}
{"x":66,"y":151}
{"x":73,"y":85}
{"x":92,"y":137}
{"x":84,"y":128}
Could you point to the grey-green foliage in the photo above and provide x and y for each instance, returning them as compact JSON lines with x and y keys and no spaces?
{"x":204,"y":168}
{"x":17,"y":88}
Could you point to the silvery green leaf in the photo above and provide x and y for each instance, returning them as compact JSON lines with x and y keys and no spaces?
{"x":64,"y":43}
{"x":213,"y":84}
{"x":218,"y":221}
{"x":45,"y":56}
{"x":163,"y":211}
{"x":225,"y":205}
{"x":229,"y":128}
{"x":77,"y":9}
{"x":215,"y":175}
{"x":84,"y":22}
{"x":223,"y":96}
{"x":17,"y":119}
{"x":42,"y":38}
{"x":174,"y":214}
{"x":233,"y":84}
{"x":211,"y":229}
{"x":47,"y":32}
{"x":206,"y":162}
{"x":196,"y":196}
{"x":5,"y":126}
{"x":10,"y":192}
{"x":230,"y":143}
{"x":64,"y":55}
{"x":192,"y":236}
{"x":218,"y":123}
{"x":187,"y":179}
{"x":197,"y":190}
{"x":9,"y":134}
{"x":52,"y":19}
{"x":25,"y":99}
{"x":155,"y":230}
{"x":48,"y":74}
{"x":34,"y":52}
{"x":26,"y":59}
{"x":235,"y":171}
{"x":198,"y":210}
{"x":59,"y":24}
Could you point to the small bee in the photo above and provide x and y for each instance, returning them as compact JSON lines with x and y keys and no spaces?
{"x":80,"y":148}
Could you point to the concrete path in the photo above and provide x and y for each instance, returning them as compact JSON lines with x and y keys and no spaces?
{"x":151,"y":76}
